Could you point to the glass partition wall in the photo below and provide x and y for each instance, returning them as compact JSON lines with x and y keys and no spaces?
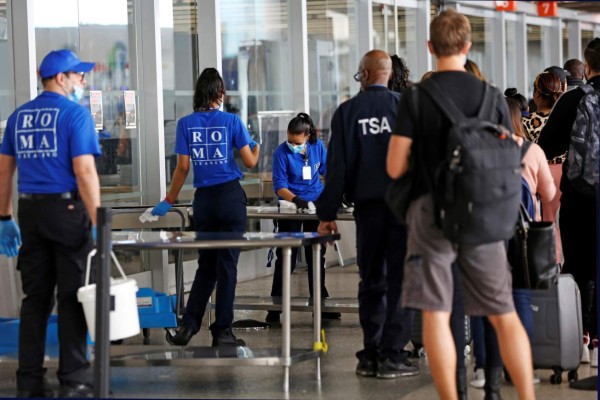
{"x":101,"y":32}
{"x":256,"y":60}
{"x":332,"y":58}
{"x":7,"y":90}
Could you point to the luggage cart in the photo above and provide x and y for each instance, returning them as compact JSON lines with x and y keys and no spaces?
{"x":156,"y":309}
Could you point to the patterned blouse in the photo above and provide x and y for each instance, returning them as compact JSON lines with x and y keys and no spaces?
{"x":533,"y":125}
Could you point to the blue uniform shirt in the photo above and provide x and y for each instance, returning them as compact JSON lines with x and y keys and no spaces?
{"x":44,"y":135}
{"x":287,"y":170}
{"x":209,"y":137}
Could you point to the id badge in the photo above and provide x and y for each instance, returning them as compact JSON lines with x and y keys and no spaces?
{"x":306,"y":173}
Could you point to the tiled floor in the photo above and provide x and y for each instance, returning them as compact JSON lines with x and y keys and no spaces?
{"x":338,"y":378}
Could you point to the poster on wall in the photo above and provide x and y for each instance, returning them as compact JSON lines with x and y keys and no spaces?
{"x":96,"y":108}
{"x":130,"y":110}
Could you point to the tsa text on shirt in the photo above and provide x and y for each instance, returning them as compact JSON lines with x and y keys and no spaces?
{"x":375,"y":125}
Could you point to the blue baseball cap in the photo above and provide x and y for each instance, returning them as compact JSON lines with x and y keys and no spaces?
{"x":63,"y":60}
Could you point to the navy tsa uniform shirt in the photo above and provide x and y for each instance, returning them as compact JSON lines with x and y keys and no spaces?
{"x":360,"y":131}
{"x":287,"y":170}
{"x":44,"y":135}
{"x":209,"y":137}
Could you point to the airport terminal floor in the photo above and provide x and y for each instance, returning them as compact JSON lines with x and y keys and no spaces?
{"x":339,"y":380}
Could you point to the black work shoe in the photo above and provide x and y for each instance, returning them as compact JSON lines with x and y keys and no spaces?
{"x":388,"y":369}
{"x":331,"y":315}
{"x":366,"y":367}
{"x":34,"y":393}
{"x":226,"y":338}
{"x":76,"y":390}
{"x":182,"y":337}
{"x":272,"y":317}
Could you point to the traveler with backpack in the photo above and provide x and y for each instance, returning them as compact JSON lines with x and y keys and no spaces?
{"x":469,"y":225}
{"x":574,"y":127}
{"x":537,"y":182}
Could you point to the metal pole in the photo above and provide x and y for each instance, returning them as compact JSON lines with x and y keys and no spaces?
{"x":316,"y":255}
{"x":102,"y":350}
{"x":285,"y":350}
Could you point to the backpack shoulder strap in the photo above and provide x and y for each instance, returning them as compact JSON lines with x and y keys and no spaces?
{"x":526,"y":145}
{"x":440,"y":98}
{"x":587,"y":88}
{"x":488,"y":103}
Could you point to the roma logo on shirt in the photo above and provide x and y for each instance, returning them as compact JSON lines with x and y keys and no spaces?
{"x":35,"y":133}
{"x":208,"y":146}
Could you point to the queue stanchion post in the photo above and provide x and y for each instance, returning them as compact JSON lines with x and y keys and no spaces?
{"x":102,"y":345}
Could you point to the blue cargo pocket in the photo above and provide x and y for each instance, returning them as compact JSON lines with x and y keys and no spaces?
{"x":413,"y":281}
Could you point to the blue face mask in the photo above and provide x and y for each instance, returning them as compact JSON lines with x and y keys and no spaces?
{"x":296,"y":148}
{"x":77,"y":94}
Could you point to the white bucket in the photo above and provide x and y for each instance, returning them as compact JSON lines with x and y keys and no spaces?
{"x":124,"y":318}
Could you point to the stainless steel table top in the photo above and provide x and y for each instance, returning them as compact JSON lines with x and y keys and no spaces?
{"x":215,"y":240}
{"x":274,"y":212}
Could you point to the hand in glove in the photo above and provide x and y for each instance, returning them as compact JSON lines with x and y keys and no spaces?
{"x":94,"y":233}
{"x":161,"y":208}
{"x":10,"y":238}
{"x":300,"y":203}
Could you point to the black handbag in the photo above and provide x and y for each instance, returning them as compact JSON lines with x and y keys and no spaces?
{"x":532,"y":253}
{"x":398,"y":194}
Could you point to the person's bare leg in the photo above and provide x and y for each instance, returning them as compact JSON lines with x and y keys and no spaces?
{"x":515,"y":351}
{"x":441,"y":353}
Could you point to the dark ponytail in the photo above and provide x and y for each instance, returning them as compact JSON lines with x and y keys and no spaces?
{"x":302,"y":123}
{"x":512,"y":93}
{"x":209,"y":89}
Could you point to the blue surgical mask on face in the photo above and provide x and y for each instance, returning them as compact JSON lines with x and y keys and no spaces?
{"x":296,"y":148}
{"x":77,"y":94}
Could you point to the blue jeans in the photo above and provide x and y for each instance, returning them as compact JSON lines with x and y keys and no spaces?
{"x":485,"y":342}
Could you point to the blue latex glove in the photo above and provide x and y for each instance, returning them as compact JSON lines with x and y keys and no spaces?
{"x":94,"y":233}
{"x":10,"y":238}
{"x":161,"y":208}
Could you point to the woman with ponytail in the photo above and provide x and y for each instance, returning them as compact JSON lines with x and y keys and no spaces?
{"x":298,"y":164}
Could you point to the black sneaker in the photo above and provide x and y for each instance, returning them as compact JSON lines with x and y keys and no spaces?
{"x":226,"y":338}
{"x":387,"y":369}
{"x":76,"y":390}
{"x":273,"y":317}
{"x":366,"y":367}
{"x":182,"y":337}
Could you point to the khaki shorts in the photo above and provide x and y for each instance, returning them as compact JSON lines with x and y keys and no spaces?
{"x":484,"y":269}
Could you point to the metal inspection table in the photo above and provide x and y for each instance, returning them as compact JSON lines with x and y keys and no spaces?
{"x":196,"y":356}
{"x":269,"y":303}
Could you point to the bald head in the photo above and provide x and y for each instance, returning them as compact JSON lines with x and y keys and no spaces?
{"x":376,"y":68}
{"x":575,"y":68}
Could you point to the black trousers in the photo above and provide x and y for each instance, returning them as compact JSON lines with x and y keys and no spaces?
{"x":298,"y":226}
{"x":219,"y":208}
{"x":56,"y":241}
{"x":579,"y":236}
{"x":381,"y":249}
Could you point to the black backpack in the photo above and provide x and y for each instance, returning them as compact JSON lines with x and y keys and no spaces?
{"x":584,"y":149}
{"x":477,"y":188}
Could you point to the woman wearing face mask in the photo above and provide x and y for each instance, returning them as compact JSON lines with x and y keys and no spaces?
{"x":205,"y":142}
{"x":297,"y":165}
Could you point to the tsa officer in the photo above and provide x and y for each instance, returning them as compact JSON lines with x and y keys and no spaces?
{"x":298,"y":164}
{"x":51,"y":140}
{"x":205,"y":140}
{"x":356,"y":162}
